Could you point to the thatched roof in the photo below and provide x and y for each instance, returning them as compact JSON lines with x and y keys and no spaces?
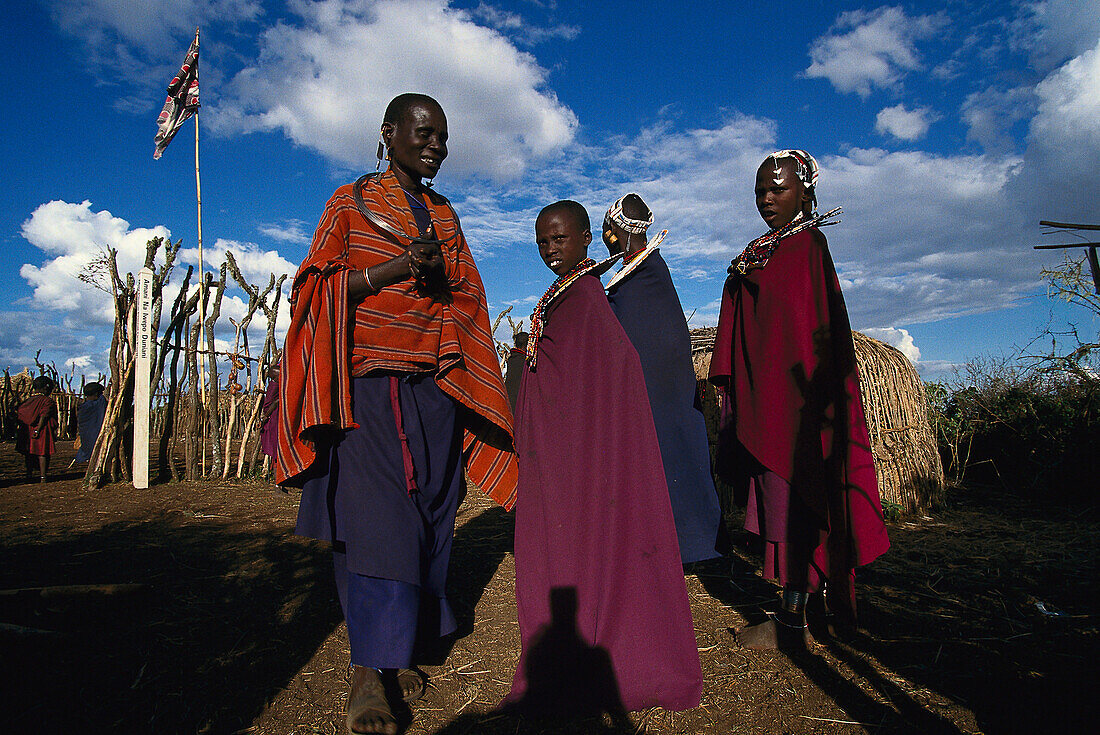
{"x":907,"y":459}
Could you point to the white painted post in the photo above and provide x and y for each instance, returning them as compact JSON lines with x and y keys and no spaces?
{"x":142,"y":364}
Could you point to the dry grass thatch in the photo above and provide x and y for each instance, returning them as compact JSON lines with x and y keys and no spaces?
{"x":907,"y":457}
{"x":907,"y":460}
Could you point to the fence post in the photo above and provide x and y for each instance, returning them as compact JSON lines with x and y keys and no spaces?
{"x":142,"y":365}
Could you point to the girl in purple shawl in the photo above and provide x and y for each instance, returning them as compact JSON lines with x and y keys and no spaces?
{"x":604,"y":618}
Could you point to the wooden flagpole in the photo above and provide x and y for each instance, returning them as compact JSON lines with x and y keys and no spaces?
{"x":202,"y":286}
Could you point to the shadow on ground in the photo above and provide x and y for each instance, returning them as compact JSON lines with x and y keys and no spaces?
{"x":223,"y":619}
{"x":952,"y":610}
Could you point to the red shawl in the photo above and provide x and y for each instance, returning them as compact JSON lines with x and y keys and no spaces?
{"x":30,"y":412}
{"x":393,"y":330}
{"x":784,"y":358}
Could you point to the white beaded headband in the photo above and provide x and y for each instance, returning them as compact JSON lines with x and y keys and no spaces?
{"x":635,"y":226}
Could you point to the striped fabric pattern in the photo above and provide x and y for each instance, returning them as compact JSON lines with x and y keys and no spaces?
{"x":394,"y":330}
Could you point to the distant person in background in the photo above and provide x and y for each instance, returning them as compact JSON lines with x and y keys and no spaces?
{"x":89,"y":420}
{"x":644,"y":299}
{"x":513,"y":367}
{"x":794,"y":434}
{"x":38,"y":428}
{"x":269,"y":429}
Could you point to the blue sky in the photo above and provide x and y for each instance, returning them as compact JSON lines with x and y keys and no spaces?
{"x":946,"y":130}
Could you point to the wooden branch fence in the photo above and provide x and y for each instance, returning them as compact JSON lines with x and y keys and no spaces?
{"x":189,"y":439}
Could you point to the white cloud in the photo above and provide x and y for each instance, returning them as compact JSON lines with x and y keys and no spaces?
{"x":74,"y":235}
{"x":922,"y":233}
{"x":294,"y":232}
{"x":938,"y":370}
{"x":257,"y":265}
{"x":899,"y":339}
{"x":904,"y":123}
{"x":1064,"y":140}
{"x":515,"y":25}
{"x":325,"y":84}
{"x":74,"y":318}
{"x":80,"y":362}
{"x":142,"y":43}
{"x":870,"y":48}
{"x":990,"y":114}
{"x":142,"y":24}
{"x":1053,"y":31}
{"x":1070,"y":102}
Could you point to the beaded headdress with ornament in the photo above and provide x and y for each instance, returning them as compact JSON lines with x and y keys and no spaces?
{"x":557,"y":288}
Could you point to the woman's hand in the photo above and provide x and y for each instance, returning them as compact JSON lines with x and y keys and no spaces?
{"x":424,"y":256}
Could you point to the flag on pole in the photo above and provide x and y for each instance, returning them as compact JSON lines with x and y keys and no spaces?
{"x":182,"y":101}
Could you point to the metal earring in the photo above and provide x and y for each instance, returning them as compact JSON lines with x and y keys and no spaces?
{"x":381,"y":152}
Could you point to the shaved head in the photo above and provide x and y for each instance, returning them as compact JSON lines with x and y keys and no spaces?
{"x":574,"y":210}
{"x":402,"y":103}
{"x":635,"y":208}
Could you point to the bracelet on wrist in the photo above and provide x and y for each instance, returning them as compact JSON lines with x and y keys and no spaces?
{"x":366,"y":277}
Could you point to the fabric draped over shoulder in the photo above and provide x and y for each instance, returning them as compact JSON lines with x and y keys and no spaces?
{"x":649,"y":310}
{"x":397,"y":329}
{"x":30,"y":412}
{"x":784,"y":359}
{"x":594,"y":520}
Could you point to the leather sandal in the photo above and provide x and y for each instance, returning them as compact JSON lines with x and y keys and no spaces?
{"x":412,"y":684}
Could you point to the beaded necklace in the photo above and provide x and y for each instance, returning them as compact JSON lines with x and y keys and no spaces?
{"x":538,"y":316}
{"x":636,"y":259}
{"x":757,"y":252}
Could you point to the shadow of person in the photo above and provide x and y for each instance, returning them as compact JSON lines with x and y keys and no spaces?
{"x":571,"y":686}
{"x":139,"y":624}
{"x":566,"y":677}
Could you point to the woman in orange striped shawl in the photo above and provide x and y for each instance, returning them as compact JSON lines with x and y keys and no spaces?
{"x":390,"y":387}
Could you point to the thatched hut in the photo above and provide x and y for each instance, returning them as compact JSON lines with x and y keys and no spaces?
{"x":907,"y":460}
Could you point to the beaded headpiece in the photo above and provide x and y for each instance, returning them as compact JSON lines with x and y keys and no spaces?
{"x":636,"y":226}
{"x":805,"y":166}
{"x":757,"y":252}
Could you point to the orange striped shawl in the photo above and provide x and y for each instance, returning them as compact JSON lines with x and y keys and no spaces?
{"x":393,"y":330}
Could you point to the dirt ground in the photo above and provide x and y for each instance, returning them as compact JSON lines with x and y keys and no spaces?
{"x":215,"y":619}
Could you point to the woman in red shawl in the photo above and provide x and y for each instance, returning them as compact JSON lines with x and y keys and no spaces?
{"x":794,"y":433}
{"x":389,"y":388}
{"x":38,"y":427}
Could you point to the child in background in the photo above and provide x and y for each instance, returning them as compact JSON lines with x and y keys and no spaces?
{"x":597,"y":561}
{"x":89,"y":420}
{"x":38,"y":427}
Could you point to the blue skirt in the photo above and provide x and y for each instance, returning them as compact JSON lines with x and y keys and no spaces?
{"x":392,"y":547}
